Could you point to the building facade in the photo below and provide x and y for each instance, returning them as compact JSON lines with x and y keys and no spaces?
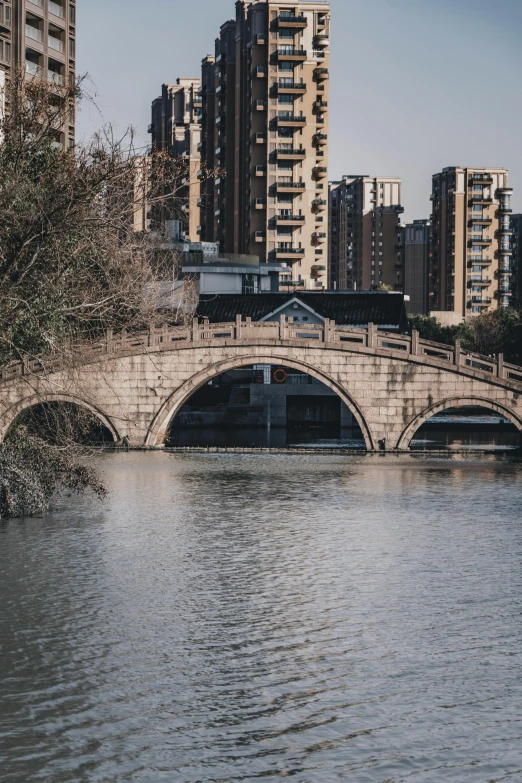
{"x":364,"y":216}
{"x":516,"y":262}
{"x":39,"y":38}
{"x":175,"y":129}
{"x":416,"y":249}
{"x":471,"y":248}
{"x":265,"y":116}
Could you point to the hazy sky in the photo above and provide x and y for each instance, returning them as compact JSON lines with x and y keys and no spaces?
{"x":416,"y":85}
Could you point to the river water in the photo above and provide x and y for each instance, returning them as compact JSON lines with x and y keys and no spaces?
{"x":255,"y":618}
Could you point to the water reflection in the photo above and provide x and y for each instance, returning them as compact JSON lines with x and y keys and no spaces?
{"x":248,"y":617}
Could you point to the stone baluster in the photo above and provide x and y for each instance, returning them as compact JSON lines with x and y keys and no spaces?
{"x":239,"y":326}
{"x":458,"y":353}
{"x":415,"y":343}
{"x":326,"y":330}
{"x":195,"y":330}
{"x":500,"y":365}
{"x":152,"y":334}
{"x":372,"y":336}
{"x":282,"y":328}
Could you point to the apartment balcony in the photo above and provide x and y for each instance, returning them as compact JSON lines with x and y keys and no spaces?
{"x":260,"y":138}
{"x":482,"y":301}
{"x":293,"y":21}
{"x":260,"y":236}
{"x":261,"y":39}
{"x":482,"y":241}
{"x":56,"y":44}
{"x":289,"y":220}
{"x":484,"y":200}
{"x":322,"y":40}
{"x":291,"y":54}
{"x":320,"y":139}
{"x":484,"y":261}
{"x":504,"y":251}
{"x":289,"y":252}
{"x":290,"y":154}
{"x":290,"y":88}
{"x":481,"y":179}
{"x":480,"y":221}
{"x":319,"y":205}
{"x":54,"y":77}
{"x":260,"y":105}
{"x":320,"y":107}
{"x":505,"y":209}
{"x":485,"y":282}
{"x":33,"y":69}
{"x":260,"y":171}
{"x":321,"y":74}
{"x":319,"y":172}
{"x":317,"y":270}
{"x":56,"y":9}
{"x":290,"y":187}
{"x":197,"y":101}
{"x":261,"y":72}
{"x":260,"y":203}
{"x":503,"y":232}
{"x":287,"y":120}
{"x":319,"y":237}
{"x":33,"y":33}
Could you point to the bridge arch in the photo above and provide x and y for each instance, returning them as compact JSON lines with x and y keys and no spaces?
{"x":160,"y":425}
{"x":454,"y":402}
{"x":12,"y":414}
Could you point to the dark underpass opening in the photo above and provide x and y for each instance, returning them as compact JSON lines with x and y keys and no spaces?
{"x":467,"y":428}
{"x":63,"y":424}
{"x":265,"y":406}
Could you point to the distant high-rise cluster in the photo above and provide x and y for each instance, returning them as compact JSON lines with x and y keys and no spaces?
{"x":38,"y":37}
{"x":253,"y":131}
{"x":263,"y":112}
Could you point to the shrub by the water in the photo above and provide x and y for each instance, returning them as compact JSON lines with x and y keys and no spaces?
{"x":32,"y":471}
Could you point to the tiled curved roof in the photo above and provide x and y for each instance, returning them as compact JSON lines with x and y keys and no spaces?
{"x":356,"y":308}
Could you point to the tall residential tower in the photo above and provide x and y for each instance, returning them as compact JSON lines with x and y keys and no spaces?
{"x":39,"y":38}
{"x":364,"y":225}
{"x":471,"y":248}
{"x":269,"y":132}
{"x":175,"y":130}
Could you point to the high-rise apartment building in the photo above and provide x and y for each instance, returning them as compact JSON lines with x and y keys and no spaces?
{"x":175,"y":129}
{"x":516,"y":263}
{"x":364,"y":225}
{"x":415,"y":242}
{"x":471,"y":248}
{"x":218,"y":148}
{"x":268,"y":89}
{"x":39,"y":38}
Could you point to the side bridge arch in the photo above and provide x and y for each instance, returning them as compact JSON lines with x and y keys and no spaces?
{"x":408,"y":434}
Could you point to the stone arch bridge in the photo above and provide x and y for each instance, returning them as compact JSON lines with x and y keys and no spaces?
{"x":135,"y":384}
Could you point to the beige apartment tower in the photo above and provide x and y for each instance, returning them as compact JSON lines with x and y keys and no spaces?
{"x":471,"y":248}
{"x":364,"y":250}
{"x":266,"y":120}
{"x":175,"y":129}
{"x":39,"y":37}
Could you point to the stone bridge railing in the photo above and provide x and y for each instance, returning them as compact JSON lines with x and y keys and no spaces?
{"x":370,"y":340}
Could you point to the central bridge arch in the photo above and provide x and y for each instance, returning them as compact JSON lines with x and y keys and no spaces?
{"x":161,"y":423}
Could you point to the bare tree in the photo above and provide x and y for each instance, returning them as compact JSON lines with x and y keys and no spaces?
{"x":76,"y":257}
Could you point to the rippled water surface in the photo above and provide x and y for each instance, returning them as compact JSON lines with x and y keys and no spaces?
{"x":256,"y":618}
